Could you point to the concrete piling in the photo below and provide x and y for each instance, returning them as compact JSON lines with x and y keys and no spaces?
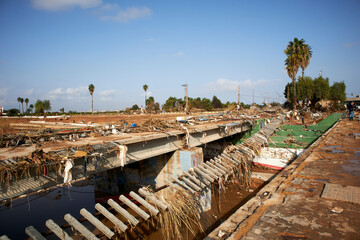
{"x":58,"y":231}
{"x":131,"y":205}
{"x":119,"y":224}
{"x":123,"y":212}
{"x":79,"y":227}
{"x":99,"y":225}
{"x":143,"y":202}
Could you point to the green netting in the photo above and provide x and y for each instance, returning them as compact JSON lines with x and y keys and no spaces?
{"x":306,"y":133}
{"x":301,"y":142}
{"x":326,"y":123}
{"x":303,"y":138}
{"x":292,"y":127}
{"x":284,"y":145}
{"x":253,"y":130}
{"x":284,"y":133}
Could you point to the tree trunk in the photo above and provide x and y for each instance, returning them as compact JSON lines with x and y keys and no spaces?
{"x":294,"y":94}
{"x":22,"y":107}
{"x":19,"y":108}
{"x":145,"y":101}
{"x":303,"y":70}
{"x":92,"y":104}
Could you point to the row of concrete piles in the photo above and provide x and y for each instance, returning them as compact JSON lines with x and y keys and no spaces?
{"x":150,"y":205}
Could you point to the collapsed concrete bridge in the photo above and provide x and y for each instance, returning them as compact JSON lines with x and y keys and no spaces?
{"x":22,"y":174}
{"x":216,"y":169}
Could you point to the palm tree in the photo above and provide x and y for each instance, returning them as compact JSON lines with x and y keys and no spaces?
{"x":22,"y":104}
{"x":292,"y":62}
{"x":91,"y":90}
{"x":145,"y":87}
{"x":31,"y":107}
{"x":19,"y":101}
{"x":306,"y":54}
{"x":26,"y":102}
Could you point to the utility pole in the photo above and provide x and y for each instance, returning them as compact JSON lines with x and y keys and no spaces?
{"x":239,"y":97}
{"x":278,"y":98}
{"x":253,"y":98}
{"x":186,"y":98}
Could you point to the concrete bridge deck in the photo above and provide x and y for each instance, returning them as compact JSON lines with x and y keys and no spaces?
{"x":316,"y":197}
{"x":103,"y":157}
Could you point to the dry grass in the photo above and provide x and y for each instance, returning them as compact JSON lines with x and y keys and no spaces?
{"x":183,"y":213}
{"x":4,"y":126}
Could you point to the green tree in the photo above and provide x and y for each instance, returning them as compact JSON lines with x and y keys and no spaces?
{"x":39,"y":107}
{"x":306,"y":55}
{"x":91,"y":91}
{"x":150,"y":103}
{"x":13,"y":112}
{"x":31,"y":107}
{"x":42,"y":106}
{"x":157,"y":106}
{"x":305,"y":88}
{"x":216,"y":103}
{"x":22,"y":104}
{"x":26,"y":103}
{"x":292,"y":63}
{"x":321,"y":89}
{"x":62,"y":110}
{"x":135,"y":107}
{"x":337,"y":92}
{"x":145,"y":87}
{"x":172,"y":103}
{"x":19,"y":101}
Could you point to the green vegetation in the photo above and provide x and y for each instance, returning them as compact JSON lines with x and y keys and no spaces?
{"x":135,"y":107}
{"x":42,"y":106}
{"x":145,"y":87}
{"x":297,"y":136}
{"x":91,"y":91}
{"x":316,"y":90}
{"x":12,"y":112}
{"x":298,"y":55}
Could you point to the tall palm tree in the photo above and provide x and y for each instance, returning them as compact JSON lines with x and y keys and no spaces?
{"x":306,"y":54}
{"x":292,"y":62}
{"x":19,"y":101}
{"x":145,"y":87}
{"x":22,"y":104}
{"x":26,"y":102}
{"x":91,"y":90}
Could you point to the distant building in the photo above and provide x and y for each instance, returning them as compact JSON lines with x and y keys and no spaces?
{"x":356,"y":100}
{"x":1,"y":110}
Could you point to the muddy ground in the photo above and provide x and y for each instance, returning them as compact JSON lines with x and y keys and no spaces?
{"x":296,"y":208}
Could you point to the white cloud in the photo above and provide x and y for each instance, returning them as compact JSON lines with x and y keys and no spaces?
{"x":223,"y":85}
{"x":3,"y":94}
{"x":29,"y":91}
{"x":179,"y":54}
{"x":69,"y":94}
{"x":126,"y":15}
{"x":60,"y":5}
{"x":106,"y":95}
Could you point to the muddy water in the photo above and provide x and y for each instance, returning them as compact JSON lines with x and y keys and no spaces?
{"x":55,"y":203}
{"x":37,"y":208}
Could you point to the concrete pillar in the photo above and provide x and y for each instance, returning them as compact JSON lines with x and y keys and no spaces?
{"x":153,"y":171}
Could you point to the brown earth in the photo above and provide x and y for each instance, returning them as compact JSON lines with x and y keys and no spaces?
{"x":295,"y":208}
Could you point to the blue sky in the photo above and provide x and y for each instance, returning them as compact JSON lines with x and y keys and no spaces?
{"x":55,"y":49}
